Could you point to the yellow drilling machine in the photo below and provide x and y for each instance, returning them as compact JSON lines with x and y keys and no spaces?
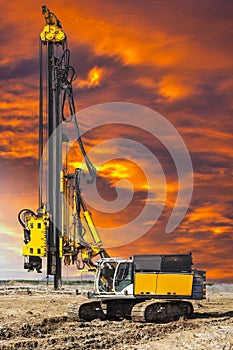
{"x":146,"y":288}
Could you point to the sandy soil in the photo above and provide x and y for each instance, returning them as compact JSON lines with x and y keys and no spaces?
{"x":38,"y":320}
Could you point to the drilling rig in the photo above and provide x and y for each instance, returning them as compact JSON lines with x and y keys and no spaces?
{"x":152,"y":287}
{"x":47,"y":233}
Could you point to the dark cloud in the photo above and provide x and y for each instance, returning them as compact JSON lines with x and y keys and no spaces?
{"x":19,"y":69}
{"x":210,"y":163}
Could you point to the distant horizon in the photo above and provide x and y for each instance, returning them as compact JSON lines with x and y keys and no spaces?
{"x":79,"y":281}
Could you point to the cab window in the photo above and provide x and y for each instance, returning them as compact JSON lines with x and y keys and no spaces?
{"x":124,"y":276}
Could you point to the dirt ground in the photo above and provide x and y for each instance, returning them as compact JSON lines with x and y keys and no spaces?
{"x":37,"y":319}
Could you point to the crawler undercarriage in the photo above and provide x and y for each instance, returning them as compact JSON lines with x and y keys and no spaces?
{"x":134,"y":309}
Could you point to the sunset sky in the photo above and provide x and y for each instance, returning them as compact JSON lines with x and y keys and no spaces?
{"x":174,"y":57}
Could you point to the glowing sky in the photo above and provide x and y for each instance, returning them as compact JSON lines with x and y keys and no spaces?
{"x":172,"y":56}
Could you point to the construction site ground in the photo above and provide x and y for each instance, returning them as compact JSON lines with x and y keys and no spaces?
{"x":35,"y":317}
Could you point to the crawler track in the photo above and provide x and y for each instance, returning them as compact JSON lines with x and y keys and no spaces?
{"x":154,"y":311}
{"x":87,"y":311}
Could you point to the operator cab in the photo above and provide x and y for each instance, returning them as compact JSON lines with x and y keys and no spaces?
{"x":115,"y":276}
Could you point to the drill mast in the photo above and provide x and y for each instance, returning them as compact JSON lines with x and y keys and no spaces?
{"x":54,"y":40}
{"x":49,"y":233}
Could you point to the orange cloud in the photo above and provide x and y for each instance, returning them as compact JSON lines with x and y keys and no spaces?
{"x":136,"y":42}
{"x":208,"y":217}
{"x":119,"y":169}
{"x":173,"y":87}
{"x":94,"y":78}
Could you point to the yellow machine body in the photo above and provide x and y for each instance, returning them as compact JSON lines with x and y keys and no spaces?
{"x":163,"y":284}
{"x":59,"y":231}
{"x":37,"y":227}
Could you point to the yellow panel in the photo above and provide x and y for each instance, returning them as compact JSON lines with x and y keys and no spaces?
{"x":60,"y":247}
{"x":174,"y":284}
{"x":145,"y":283}
{"x":37,"y":244}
